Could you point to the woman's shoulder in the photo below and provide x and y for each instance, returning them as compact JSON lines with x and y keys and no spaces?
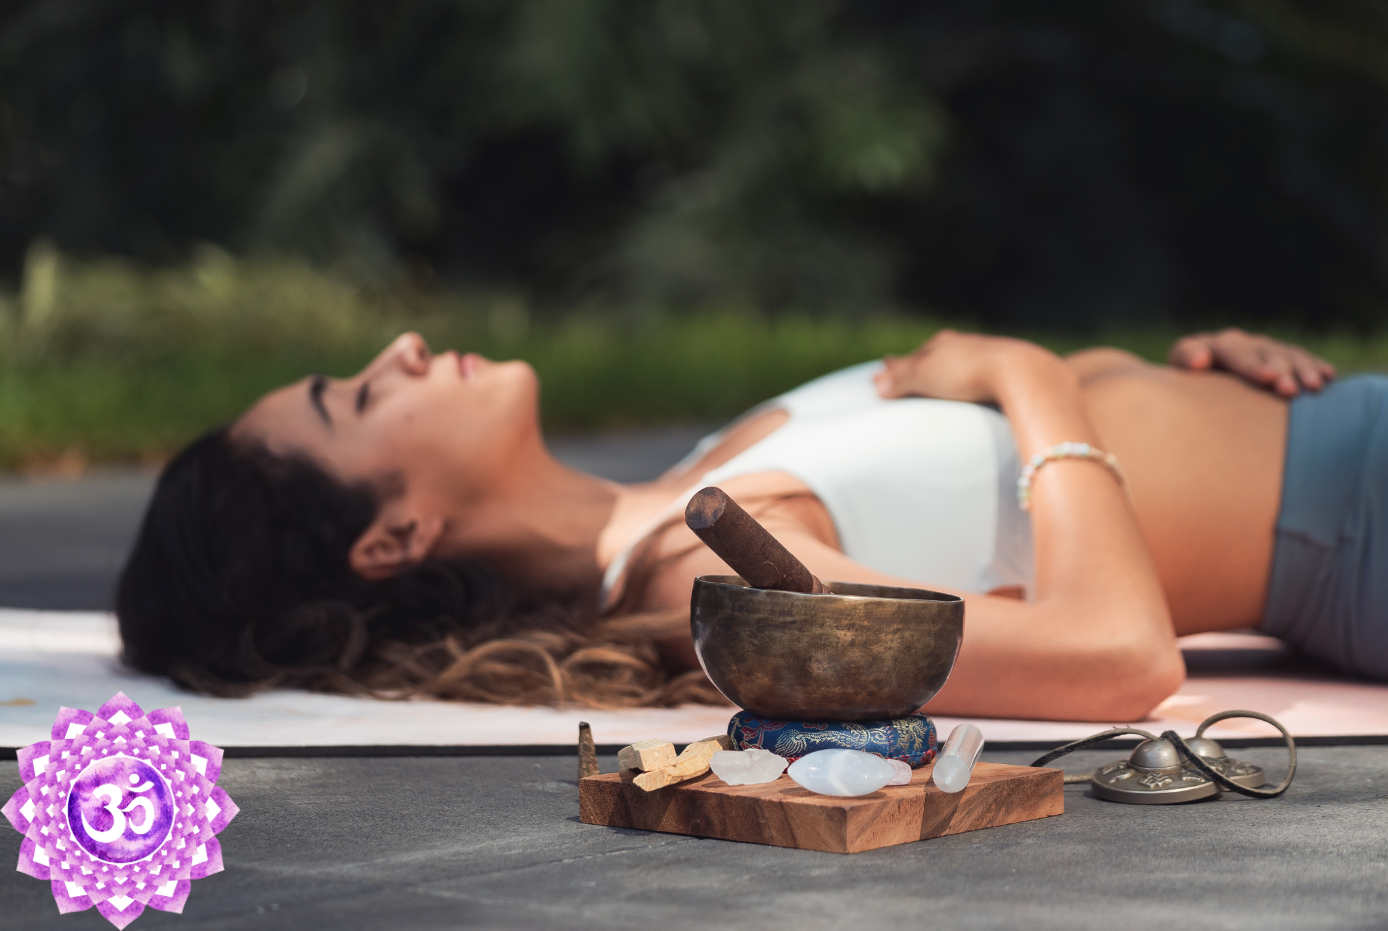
{"x":837,"y":392}
{"x":843,"y":390}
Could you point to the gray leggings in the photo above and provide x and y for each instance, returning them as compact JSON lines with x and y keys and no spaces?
{"x":1329,"y":589}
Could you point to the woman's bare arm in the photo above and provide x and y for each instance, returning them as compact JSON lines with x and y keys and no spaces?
{"x":1097,"y":643}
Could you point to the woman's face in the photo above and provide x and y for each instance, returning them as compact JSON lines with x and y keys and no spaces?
{"x":438,"y":425}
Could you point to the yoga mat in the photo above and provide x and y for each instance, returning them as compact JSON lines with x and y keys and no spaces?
{"x":52,"y":658}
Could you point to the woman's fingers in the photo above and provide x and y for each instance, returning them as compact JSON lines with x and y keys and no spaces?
{"x":1315,"y":373}
{"x":1193,"y":352}
{"x":1308,"y":372}
{"x":1260,"y":360}
{"x":897,"y":379}
{"x":1200,"y":357}
{"x":1294,"y":368}
{"x":887,"y":381}
{"x":1280,"y":373}
{"x":1247,"y":356}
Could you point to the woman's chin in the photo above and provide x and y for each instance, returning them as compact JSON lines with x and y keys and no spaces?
{"x":474,"y":366}
{"x":514,"y":389}
{"x":521,"y":376}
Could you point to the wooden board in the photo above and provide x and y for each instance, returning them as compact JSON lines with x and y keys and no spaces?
{"x":782,"y":814}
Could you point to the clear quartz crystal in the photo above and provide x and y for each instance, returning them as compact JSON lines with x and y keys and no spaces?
{"x":842,"y":772}
{"x":956,"y":763}
{"x":747,"y":767}
{"x":903,"y":773}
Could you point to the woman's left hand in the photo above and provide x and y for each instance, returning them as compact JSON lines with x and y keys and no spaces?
{"x":954,"y":366}
{"x":1260,"y":360}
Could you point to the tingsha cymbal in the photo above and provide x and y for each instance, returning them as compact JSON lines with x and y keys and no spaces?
{"x":1155,"y":774}
{"x":1236,"y":771}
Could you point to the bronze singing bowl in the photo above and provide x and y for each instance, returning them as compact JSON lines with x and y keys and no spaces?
{"x":860,"y":653}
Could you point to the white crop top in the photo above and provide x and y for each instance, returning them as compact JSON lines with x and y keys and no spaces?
{"x":921,"y":489}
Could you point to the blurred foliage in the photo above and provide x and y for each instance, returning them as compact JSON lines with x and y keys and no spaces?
{"x":1071,"y":164}
{"x":122,"y":311}
{"x":110,"y":359}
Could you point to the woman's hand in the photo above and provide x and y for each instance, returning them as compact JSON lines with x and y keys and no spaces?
{"x":1258,"y":359}
{"x":956,"y":367}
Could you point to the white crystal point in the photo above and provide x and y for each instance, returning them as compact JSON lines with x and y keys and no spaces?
{"x":956,"y":764}
{"x":842,"y":772}
{"x":747,"y":767}
{"x":951,"y":774}
{"x":903,"y":773}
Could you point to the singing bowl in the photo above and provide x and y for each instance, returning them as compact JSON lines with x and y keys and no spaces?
{"x":859,"y":653}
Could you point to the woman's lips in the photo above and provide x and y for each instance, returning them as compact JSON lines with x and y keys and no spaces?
{"x":467,"y":365}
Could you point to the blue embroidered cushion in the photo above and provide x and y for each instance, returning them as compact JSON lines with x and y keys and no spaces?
{"x":911,"y":739}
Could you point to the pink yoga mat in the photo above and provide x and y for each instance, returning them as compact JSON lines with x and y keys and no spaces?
{"x":50,"y":659}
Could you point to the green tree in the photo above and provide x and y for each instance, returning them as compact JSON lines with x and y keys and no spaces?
{"x":1076,"y":163}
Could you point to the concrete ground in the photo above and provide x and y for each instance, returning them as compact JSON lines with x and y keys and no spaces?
{"x":494,"y":842}
{"x":62,"y":542}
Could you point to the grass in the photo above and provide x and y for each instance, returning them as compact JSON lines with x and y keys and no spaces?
{"x":594,"y":376}
{"x":106,"y":361}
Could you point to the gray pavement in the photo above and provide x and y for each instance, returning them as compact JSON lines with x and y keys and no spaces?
{"x":62,"y":543}
{"x":494,"y":842}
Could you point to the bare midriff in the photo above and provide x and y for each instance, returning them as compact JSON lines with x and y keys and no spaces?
{"x":1203,"y":452}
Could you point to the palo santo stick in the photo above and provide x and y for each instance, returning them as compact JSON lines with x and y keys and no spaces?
{"x":694,"y":761}
{"x":706,"y":748}
{"x":647,"y":755}
{"x":678,"y":772}
{"x":587,"y":753}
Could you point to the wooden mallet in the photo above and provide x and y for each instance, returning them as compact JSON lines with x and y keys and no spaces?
{"x":746,"y":546}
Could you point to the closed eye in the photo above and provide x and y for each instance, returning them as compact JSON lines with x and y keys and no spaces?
{"x":316,"y":386}
{"x":363,"y":393}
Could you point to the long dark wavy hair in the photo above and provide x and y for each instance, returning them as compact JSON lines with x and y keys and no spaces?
{"x":239,"y":581}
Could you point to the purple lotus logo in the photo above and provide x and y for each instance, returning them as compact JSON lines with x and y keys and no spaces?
{"x":120,"y":810}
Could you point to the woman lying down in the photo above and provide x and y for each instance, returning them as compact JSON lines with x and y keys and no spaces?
{"x":406,"y":531}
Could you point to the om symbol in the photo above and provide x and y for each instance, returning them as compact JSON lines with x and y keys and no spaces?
{"x":119,"y":809}
{"x":118,"y":821}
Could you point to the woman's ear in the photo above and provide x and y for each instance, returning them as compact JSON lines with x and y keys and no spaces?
{"x":394,"y":542}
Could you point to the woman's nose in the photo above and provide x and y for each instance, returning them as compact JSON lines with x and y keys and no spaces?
{"x":410,"y":353}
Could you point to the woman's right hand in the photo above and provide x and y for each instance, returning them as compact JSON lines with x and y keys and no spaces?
{"x":958,"y":367}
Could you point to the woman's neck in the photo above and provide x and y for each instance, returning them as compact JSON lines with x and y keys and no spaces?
{"x":546,"y":525}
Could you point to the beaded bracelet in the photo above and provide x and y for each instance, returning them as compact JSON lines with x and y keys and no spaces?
{"x":1065,"y":451}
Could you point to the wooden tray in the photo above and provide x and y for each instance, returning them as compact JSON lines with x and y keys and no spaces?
{"x":784,"y":815}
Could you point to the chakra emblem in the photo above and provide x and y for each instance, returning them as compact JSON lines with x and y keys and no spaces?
{"x":120,"y":810}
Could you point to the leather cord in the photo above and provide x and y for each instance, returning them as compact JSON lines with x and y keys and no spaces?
{"x":1223,"y":781}
{"x":1185,"y":751}
{"x":1079,"y":778}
